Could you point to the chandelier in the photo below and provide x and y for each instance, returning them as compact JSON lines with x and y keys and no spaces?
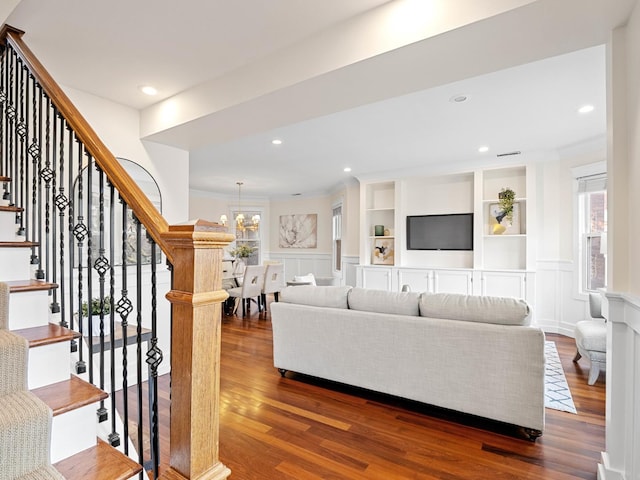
{"x":240,"y":220}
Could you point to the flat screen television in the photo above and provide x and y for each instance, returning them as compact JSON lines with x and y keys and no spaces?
{"x":440,"y":232}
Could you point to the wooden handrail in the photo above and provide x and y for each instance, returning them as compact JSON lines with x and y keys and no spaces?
{"x":142,"y":207}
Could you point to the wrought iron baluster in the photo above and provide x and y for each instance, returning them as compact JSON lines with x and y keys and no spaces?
{"x":36,"y":185}
{"x":80,"y":233}
{"x":124,"y":308}
{"x":138,"y":230}
{"x":11,"y":131}
{"x":101,"y":266}
{"x":50,"y":172}
{"x":62,"y":203}
{"x":20,"y":131}
{"x":4,"y":159}
{"x":32,"y":152}
{"x":114,"y":437}
{"x":154,"y":358}
{"x":86,"y":221}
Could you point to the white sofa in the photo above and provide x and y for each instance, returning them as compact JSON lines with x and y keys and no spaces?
{"x":476,"y":355}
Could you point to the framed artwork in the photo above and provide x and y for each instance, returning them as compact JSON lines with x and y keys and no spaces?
{"x":298,"y":231}
{"x":510,"y":228}
{"x":382,"y":253}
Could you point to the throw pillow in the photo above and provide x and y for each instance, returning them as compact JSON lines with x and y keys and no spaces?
{"x":333,"y":297}
{"x":305,"y":278}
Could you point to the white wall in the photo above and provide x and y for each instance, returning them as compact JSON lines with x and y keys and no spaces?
{"x":559,"y":304}
{"x":620,"y":460}
{"x":632,"y":103}
{"x":118,"y":127}
{"x":207,"y":206}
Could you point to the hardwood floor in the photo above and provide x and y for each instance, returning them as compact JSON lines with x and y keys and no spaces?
{"x":304,"y":428}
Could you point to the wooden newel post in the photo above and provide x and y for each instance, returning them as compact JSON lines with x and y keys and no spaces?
{"x":195,"y":350}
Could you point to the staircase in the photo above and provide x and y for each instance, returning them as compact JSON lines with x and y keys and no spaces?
{"x":76,"y":450}
{"x":76,"y":230}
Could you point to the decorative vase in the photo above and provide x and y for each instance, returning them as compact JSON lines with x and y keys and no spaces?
{"x":498,"y":229}
{"x":379,"y":230}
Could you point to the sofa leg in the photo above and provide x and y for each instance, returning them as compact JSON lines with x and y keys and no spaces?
{"x":532,"y":433}
{"x":282,"y":372}
{"x":594,"y":372}
{"x":577,"y":357}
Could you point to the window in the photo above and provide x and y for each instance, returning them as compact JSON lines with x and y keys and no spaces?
{"x":592,"y":198}
{"x":248,"y":233}
{"x":337,"y":238}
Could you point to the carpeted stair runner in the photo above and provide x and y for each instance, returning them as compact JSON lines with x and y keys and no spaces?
{"x":25,"y":421}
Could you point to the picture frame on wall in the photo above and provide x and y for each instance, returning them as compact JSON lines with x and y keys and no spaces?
{"x":511,"y":228}
{"x":298,"y":231}
{"x":383,"y":251}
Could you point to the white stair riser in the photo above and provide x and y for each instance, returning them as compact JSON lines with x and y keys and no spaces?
{"x":28,"y":309}
{"x":8,"y":227}
{"x":49,"y":364}
{"x":15,"y":264}
{"x":104,"y":429}
{"x":73,"y":432}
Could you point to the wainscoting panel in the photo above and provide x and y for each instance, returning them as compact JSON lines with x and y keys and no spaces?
{"x":621,"y":460}
{"x":558,"y":306}
{"x":301,"y":263}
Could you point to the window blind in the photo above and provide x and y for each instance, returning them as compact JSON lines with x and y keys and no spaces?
{"x":592,"y":183}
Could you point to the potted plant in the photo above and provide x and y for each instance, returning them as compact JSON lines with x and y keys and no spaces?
{"x":242,"y":251}
{"x":93,"y":310}
{"x":506,"y":198}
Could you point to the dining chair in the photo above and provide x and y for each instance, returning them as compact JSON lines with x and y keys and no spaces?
{"x":251,"y":287}
{"x":273,"y":282}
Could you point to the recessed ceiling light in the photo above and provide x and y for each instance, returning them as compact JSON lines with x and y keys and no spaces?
{"x":148,"y":90}
{"x":276,"y":141}
{"x":347,"y":169}
{"x":586,"y":109}
{"x":459,"y":98}
{"x":483,"y":149}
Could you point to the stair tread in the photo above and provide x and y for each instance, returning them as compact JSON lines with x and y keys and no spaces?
{"x":18,"y":244}
{"x":4,"y":179}
{"x":16,"y":286}
{"x":46,"y":334}
{"x":101,"y":462}
{"x":11,"y":209}
{"x":69,"y":395}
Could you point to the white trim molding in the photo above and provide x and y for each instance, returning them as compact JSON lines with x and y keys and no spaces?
{"x":621,"y":461}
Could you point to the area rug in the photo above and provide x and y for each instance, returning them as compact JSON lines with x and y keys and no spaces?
{"x":557,"y":394}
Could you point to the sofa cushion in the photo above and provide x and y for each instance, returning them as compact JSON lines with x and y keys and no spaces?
{"x":398,"y":303}
{"x":323,"y":296}
{"x":472,"y":308}
{"x":591,"y":335}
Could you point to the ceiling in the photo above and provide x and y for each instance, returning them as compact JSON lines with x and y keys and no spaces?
{"x":318,"y":76}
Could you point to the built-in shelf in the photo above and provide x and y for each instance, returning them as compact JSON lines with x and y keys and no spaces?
{"x":379,"y":199}
{"x":506,"y":235}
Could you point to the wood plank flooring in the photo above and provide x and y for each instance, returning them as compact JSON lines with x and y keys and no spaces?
{"x":308,"y":429}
